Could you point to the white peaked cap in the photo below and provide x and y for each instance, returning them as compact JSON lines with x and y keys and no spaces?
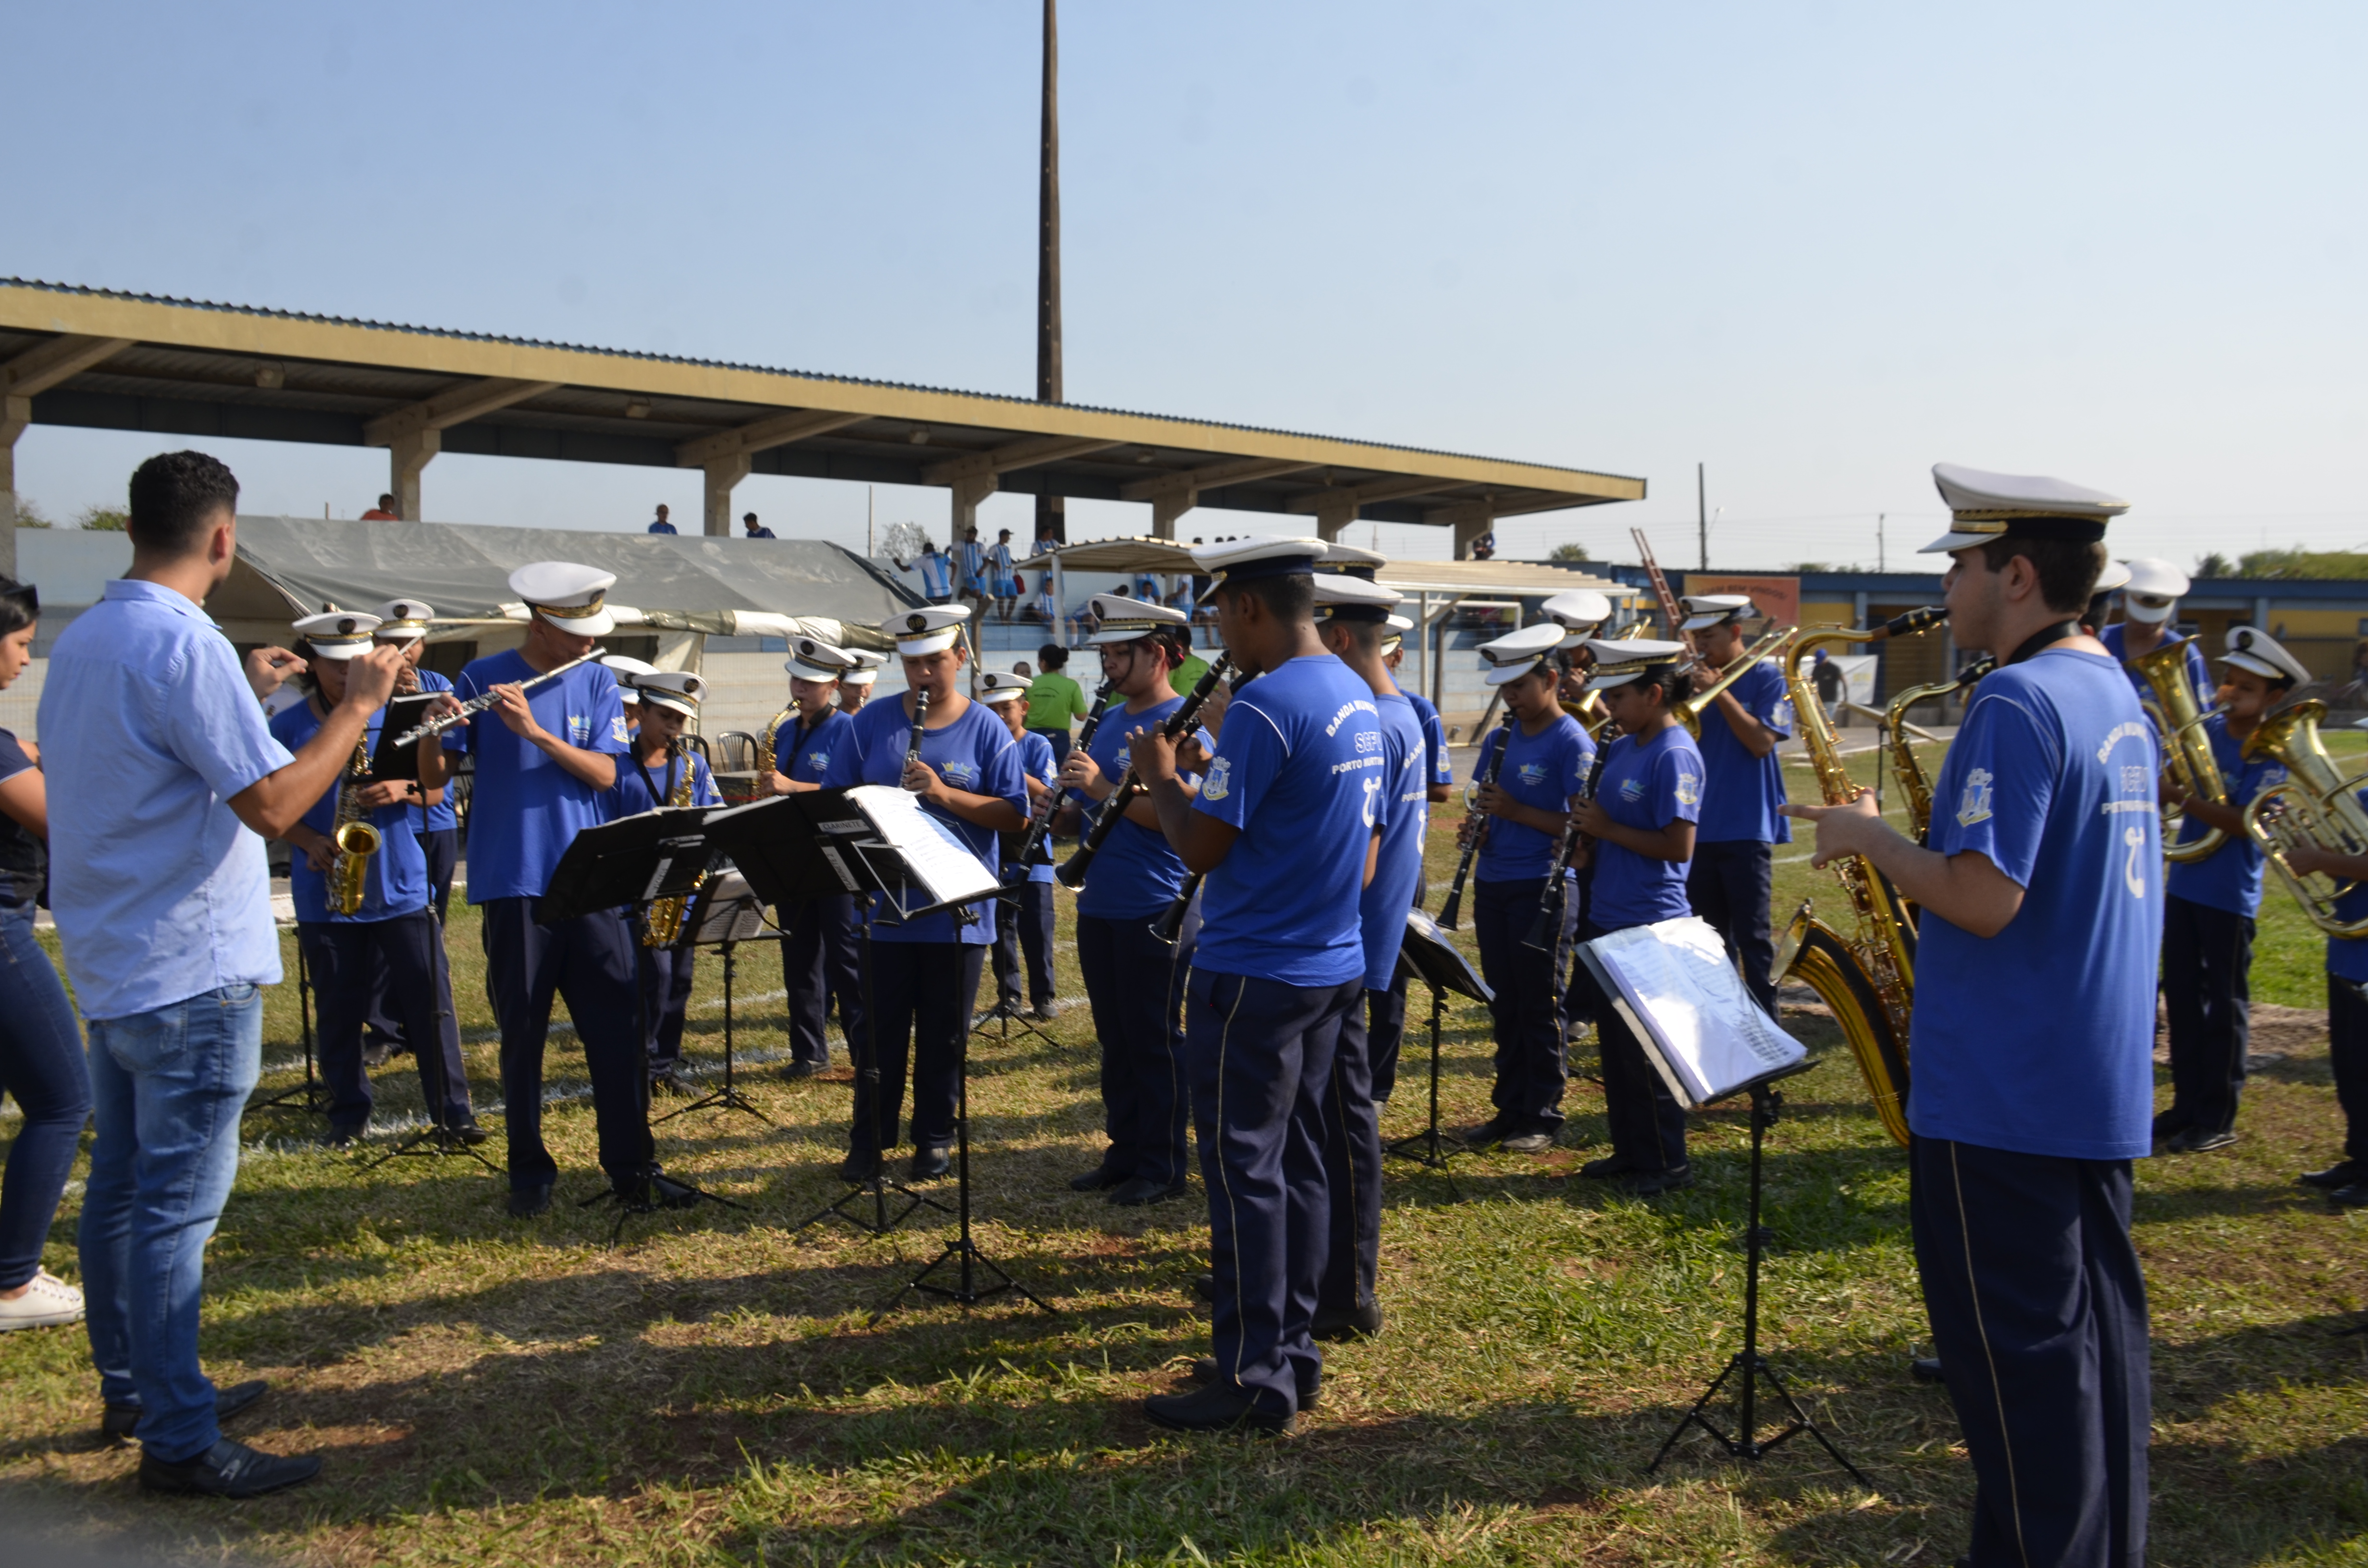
{"x":866,"y":669}
{"x":1347,"y":598}
{"x":338,"y":634}
{"x":2254,"y":650}
{"x":2115,"y":575}
{"x":1515,"y":653}
{"x":920,"y":632}
{"x":1709,"y":609}
{"x":1618,"y":661}
{"x":628,"y":670}
{"x":677,"y":689}
{"x":811,"y":658}
{"x":404,"y":621}
{"x":1124,"y":619}
{"x":1985,"y":506}
{"x":571,"y":598}
{"x":1576,"y":609}
{"x":2156,"y":578}
{"x":1261,"y":555}
{"x":1001,"y":686}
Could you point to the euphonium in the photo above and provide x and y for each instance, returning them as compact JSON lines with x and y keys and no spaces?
{"x":664,"y":923}
{"x":1868,"y":979}
{"x":355,"y":838}
{"x":2314,"y":806}
{"x":1915,"y":788}
{"x":2188,"y":765}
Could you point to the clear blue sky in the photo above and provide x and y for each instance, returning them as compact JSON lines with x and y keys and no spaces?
{"x":1816,"y":246}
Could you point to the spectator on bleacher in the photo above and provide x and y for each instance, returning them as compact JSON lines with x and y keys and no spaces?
{"x":1055,"y":702}
{"x":384,"y":512}
{"x":936,"y":574}
{"x":1002,"y":576}
{"x":756,"y":530}
{"x":662,"y":526}
{"x":970,"y":580}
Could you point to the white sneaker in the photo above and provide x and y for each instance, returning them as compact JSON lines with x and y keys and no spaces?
{"x":47,"y":1302}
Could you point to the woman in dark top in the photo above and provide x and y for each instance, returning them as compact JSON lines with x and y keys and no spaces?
{"x":41,"y":1063}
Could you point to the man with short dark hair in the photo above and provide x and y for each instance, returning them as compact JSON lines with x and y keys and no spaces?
{"x":756,"y":530}
{"x":162,"y":775}
{"x":384,"y":512}
{"x":662,"y":526}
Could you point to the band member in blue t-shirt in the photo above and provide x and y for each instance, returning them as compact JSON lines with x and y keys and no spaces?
{"x":1283,"y":834}
{"x":2207,"y":921}
{"x":545,"y":760}
{"x":648,"y":777}
{"x":393,"y":931}
{"x":1385,"y":1010}
{"x":1540,"y":759}
{"x":402,"y":623}
{"x":1132,"y":977}
{"x":2345,"y":1182}
{"x":1637,"y":835}
{"x":1023,"y":928}
{"x":2033,"y":1031}
{"x":1742,"y":819}
{"x":2149,"y":603}
{"x":821,"y":943}
{"x":925,"y":973}
{"x":855,"y":685}
{"x":1352,"y":616}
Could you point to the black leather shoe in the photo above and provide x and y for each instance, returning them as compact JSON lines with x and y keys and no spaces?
{"x":525,"y":1202}
{"x":2196,"y":1140}
{"x":659,"y":1191}
{"x":1360,"y":1322}
{"x":376,"y":1056}
{"x":1925,"y":1369}
{"x":1141,"y":1190}
{"x":2343,"y":1173}
{"x":228,"y":1470}
{"x":117,"y":1422}
{"x":860,"y":1166}
{"x":342,"y":1136}
{"x":665,"y":1083}
{"x":1652,"y":1184}
{"x":1607,"y":1167}
{"x":1487,"y":1133}
{"x":1101,"y":1178}
{"x":1215,"y":1407}
{"x":1205,"y":1287}
{"x":1044,"y":1012}
{"x":1531,"y":1143}
{"x":797,"y":1070}
{"x":1204,"y":1370}
{"x":929,"y":1164}
{"x":466,"y":1130}
{"x":2352,"y":1196}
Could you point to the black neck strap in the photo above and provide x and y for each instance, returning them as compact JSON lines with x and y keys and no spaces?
{"x":2045,"y":637}
{"x":674,"y":758}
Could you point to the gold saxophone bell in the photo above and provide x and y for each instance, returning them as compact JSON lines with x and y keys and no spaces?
{"x":664,"y":923}
{"x":355,"y":838}
{"x":2188,"y":765}
{"x":2315,"y":807}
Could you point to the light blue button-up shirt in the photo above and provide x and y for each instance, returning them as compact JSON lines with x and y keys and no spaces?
{"x":148,"y":728}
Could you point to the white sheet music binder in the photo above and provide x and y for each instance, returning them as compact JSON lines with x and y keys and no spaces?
{"x":941,"y":863}
{"x":1701,"y":1029}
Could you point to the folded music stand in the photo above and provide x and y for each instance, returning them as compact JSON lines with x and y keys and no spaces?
{"x":1428,"y":955}
{"x":722,"y":914}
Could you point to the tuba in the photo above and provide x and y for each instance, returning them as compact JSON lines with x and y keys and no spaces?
{"x":355,"y":839}
{"x":1915,"y":788}
{"x":664,"y":923}
{"x":2313,"y":806}
{"x":2188,"y":764}
{"x":1868,"y":979}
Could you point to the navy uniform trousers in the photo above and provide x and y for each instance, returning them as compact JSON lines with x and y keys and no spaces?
{"x":2208,"y":959}
{"x":1648,"y":1126}
{"x":1134,"y":982}
{"x":921,"y":997}
{"x":1023,"y":931}
{"x":665,"y":977}
{"x":2039,"y":1316}
{"x":1385,"y":1014}
{"x":821,"y":959}
{"x":588,"y":962}
{"x":1729,"y":885}
{"x":1531,"y":1067}
{"x":1352,"y":1164}
{"x":442,"y":848}
{"x":1262,"y":1054}
{"x":2347,"y":1055}
{"x":345,"y":959}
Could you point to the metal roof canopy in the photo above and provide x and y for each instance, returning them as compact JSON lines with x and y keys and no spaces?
{"x":1454,"y":580}
{"x":103,"y":359}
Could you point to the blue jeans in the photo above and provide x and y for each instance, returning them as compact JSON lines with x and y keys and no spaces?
{"x":170,"y":1085}
{"x":41,"y":1068}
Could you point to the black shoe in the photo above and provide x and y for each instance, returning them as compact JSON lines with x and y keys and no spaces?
{"x":2352,"y":1196}
{"x":466,"y":1130}
{"x":2169,"y":1124}
{"x":1213,"y":1407}
{"x":860,"y":1166}
{"x":373,"y":1058}
{"x":2196,"y":1140}
{"x":228,"y":1470}
{"x":1925,"y":1369}
{"x":1141,"y":1190}
{"x":1652,"y":1184}
{"x":1044,"y":1012}
{"x":117,"y":1422}
{"x":1205,"y":1287}
{"x":2343,"y":1173}
{"x":344,"y":1137}
{"x":929,"y":1164}
{"x":1101,"y":1178}
{"x":1360,"y":1322}
{"x":1204,"y":1370}
{"x":1488,"y":1133}
{"x":525,"y":1202}
{"x":653,"y":1190}
{"x":665,"y":1083}
{"x":797,"y":1070}
{"x":1529,"y":1142}
{"x":1606,"y":1168}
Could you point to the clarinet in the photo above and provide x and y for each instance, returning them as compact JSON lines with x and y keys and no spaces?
{"x":1547,"y":928}
{"x":920,"y":721}
{"x":1072,"y":872}
{"x":1454,"y":905}
{"x":1168,"y":924}
{"x":1042,"y":823}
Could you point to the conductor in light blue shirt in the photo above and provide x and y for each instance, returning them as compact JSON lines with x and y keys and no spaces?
{"x":161,"y":776}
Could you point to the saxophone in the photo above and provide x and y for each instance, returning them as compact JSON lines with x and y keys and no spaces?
{"x":2188,"y":765}
{"x":664,"y":923}
{"x":2313,"y":806}
{"x":1868,"y":979}
{"x":1915,"y":788}
{"x":355,"y":838}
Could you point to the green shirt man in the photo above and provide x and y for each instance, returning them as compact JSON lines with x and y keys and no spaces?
{"x":1055,"y":702}
{"x":1187,"y":676}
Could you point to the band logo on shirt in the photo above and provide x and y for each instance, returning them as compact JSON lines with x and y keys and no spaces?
{"x":819,"y":761}
{"x":1220,"y":780}
{"x":1372,"y":794}
{"x":1532,"y":772}
{"x":960,"y":774}
{"x":1975,"y":804}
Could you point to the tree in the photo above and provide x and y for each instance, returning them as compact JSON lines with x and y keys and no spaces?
{"x":1569,"y":553}
{"x":30,"y":513}
{"x":97,"y":516}
{"x":1808,"y":568}
{"x":2214,"y":565}
{"x":2296,"y":562}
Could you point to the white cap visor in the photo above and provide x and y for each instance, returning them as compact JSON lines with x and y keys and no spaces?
{"x":1953,"y":540}
{"x":1505,"y":675}
{"x":800,"y":670}
{"x":2154,"y":613}
{"x":656,"y":697}
{"x":859,"y":677}
{"x":926,"y":643}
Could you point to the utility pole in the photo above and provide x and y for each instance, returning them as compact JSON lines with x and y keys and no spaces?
{"x":1702,"y":513}
{"x":1881,"y":562}
{"x":1051,"y":520}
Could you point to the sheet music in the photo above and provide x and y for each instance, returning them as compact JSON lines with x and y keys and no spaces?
{"x":1707,"y":1033}
{"x":940,"y":861}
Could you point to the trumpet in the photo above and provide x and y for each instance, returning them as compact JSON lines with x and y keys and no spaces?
{"x":2314,"y":806}
{"x":2188,"y":765}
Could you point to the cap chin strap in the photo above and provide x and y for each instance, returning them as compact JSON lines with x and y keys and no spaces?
{"x":2047,"y":636}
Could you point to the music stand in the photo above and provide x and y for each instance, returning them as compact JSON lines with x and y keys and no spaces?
{"x":1428,"y":955}
{"x":630,"y":863}
{"x":722,"y":914}
{"x":434,"y":1140}
{"x":310,"y":1098}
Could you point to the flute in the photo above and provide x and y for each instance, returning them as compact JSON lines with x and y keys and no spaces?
{"x":478,"y":704}
{"x":1041,"y":821}
{"x":1454,"y":905}
{"x":1072,"y":872}
{"x":920,"y":721}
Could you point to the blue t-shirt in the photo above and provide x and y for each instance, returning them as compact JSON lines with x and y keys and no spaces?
{"x":396,"y":883}
{"x":1545,"y":771}
{"x":2041,"y":1039}
{"x":441,"y":815}
{"x":802,"y":755}
{"x":2198,"y":674}
{"x":1037,"y":761}
{"x":937,"y":577}
{"x":640,"y":789}
{"x":1434,"y":737}
{"x":1135,"y":872}
{"x":525,"y":810}
{"x":1741,"y":794}
{"x":1648,"y":785}
{"x":1402,"y":811}
{"x":2347,"y":959}
{"x":2230,"y":877}
{"x":1298,"y":770}
{"x":975,"y":753}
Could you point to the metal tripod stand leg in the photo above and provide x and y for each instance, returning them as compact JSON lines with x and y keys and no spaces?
{"x":877,"y":1187}
{"x":727,"y":1097}
{"x":309,"y":1097}
{"x":1432,"y":1148}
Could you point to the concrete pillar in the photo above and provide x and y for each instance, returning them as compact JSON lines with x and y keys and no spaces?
{"x":406,"y":455}
{"x":1333,"y":515}
{"x":15,"y":413}
{"x":1471,"y":529}
{"x":1166,"y":509}
{"x":722,"y":474}
{"x":967,"y":494}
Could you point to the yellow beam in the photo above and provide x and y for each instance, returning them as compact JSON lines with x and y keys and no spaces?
{"x":62,"y":358}
{"x":454,"y":406}
{"x":761,"y":435}
{"x":1011,"y":456}
{"x":1209,"y":476}
{"x":1353,"y":496}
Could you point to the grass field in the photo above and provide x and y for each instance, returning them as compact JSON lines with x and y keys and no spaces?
{"x":714,"y":1389}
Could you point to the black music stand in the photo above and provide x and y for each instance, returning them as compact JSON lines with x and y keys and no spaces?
{"x":631,"y":863}
{"x":434,"y":1140}
{"x":1428,"y":955}
{"x":310,"y":1098}
{"x":722,"y":914}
